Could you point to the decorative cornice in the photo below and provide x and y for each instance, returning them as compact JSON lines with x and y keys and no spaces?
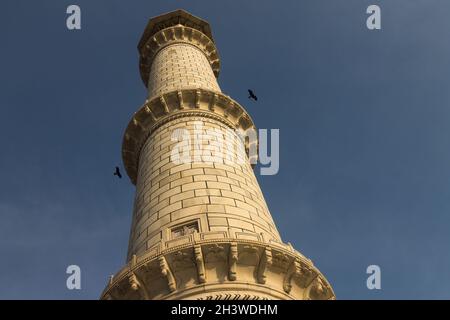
{"x":188,"y":261}
{"x":173,"y":35}
{"x":173,"y":18}
{"x":172,"y":105}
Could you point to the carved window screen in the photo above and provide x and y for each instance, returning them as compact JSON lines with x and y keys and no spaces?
{"x":184,"y":229}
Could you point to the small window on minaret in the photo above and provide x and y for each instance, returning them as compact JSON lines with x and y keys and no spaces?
{"x":184,"y":229}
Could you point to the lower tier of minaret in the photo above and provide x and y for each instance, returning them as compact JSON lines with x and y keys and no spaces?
{"x":201,"y":229}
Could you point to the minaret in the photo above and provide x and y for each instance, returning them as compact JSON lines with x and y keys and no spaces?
{"x":201,"y":229}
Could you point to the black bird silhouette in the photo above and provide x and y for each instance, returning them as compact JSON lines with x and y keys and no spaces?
{"x":251,"y":95}
{"x":117,"y":173}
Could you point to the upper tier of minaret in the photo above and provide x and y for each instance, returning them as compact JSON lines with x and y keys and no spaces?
{"x":179,"y":65}
{"x":177,"y":51}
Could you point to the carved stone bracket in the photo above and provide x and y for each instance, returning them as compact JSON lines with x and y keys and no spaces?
{"x":165,"y":271}
{"x":319,"y":290}
{"x":264,"y":263}
{"x":199,"y":261}
{"x":138,"y":285}
{"x":293,"y":270}
{"x":232,"y":261}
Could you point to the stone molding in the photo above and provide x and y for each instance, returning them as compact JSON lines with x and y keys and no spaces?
{"x":179,"y":273}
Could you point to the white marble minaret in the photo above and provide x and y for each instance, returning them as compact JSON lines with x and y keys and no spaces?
{"x":201,"y":229}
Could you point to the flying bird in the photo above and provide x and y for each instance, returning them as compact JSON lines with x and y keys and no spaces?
{"x":251,"y":95}
{"x":117,"y":173}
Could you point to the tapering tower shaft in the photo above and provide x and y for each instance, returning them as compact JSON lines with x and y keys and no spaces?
{"x":201,"y":227}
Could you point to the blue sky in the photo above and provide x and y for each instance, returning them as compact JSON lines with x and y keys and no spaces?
{"x":364,"y":137}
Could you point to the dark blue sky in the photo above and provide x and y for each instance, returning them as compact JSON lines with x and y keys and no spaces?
{"x":364,"y":136}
